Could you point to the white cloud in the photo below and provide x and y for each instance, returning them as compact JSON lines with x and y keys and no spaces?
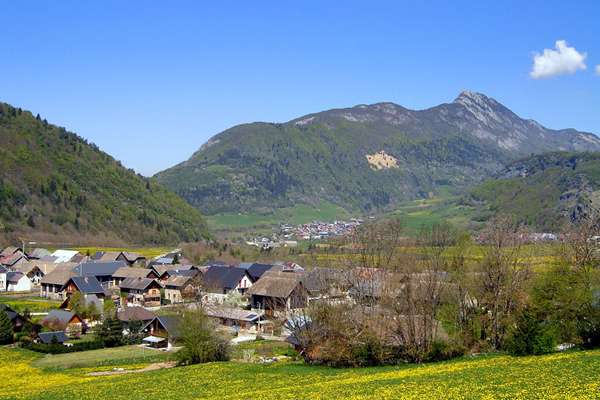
{"x":598,"y":70}
{"x":564,"y":60}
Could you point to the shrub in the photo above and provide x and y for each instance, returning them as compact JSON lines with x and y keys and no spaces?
{"x":441,"y":351}
{"x":6,"y":329}
{"x":200,"y":339}
{"x":530,"y":336}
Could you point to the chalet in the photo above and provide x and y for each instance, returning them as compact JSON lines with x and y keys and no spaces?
{"x":59,"y":337}
{"x":162,"y":271}
{"x":141,"y":292}
{"x":131,"y":272}
{"x":3,"y":272}
{"x":132,"y":258}
{"x":18,"y":282}
{"x":278,"y":291}
{"x":36,"y":270}
{"x":163,"y":331}
{"x":52,"y":284}
{"x":234,"y":317}
{"x":326,"y":283}
{"x":38,"y":253}
{"x":256,"y":270}
{"x":102,"y":270}
{"x":9,"y":251}
{"x":13,"y":260}
{"x":218,"y":281}
{"x":134,"y":316}
{"x":180,"y":287}
{"x":68,"y":321}
{"x":17,"y":320}
{"x":88,"y":286}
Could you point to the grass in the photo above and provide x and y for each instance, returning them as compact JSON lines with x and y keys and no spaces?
{"x":264,"y":348}
{"x":148,"y":252}
{"x":33,"y":304}
{"x":572,"y":375}
{"x":296,"y":215}
{"x":101,"y":357}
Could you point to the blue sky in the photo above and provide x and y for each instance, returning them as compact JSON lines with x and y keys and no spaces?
{"x":149,"y":82}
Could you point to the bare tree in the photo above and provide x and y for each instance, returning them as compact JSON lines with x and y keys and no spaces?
{"x":503,"y":272}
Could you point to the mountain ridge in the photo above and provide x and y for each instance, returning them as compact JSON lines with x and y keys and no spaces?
{"x":325,"y":155}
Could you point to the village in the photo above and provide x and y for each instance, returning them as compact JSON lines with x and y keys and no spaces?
{"x":247,"y":300}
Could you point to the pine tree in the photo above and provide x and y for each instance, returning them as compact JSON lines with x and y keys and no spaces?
{"x":6,"y":329}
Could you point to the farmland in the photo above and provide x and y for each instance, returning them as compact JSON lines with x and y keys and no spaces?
{"x":568,"y":375}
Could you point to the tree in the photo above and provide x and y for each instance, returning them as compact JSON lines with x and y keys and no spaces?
{"x":109,"y":309}
{"x":199,"y":338}
{"x":6,"y":329}
{"x":530,"y":336}
{"x":111,"y":332}
{"x":503,"y":274}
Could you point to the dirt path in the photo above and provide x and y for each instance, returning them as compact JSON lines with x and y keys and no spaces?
{"x":151,"y":367}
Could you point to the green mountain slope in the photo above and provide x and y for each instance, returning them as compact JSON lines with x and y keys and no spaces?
{"x":544,"y":191}
{"x":55,"y":186}
{"x":365,"y":158}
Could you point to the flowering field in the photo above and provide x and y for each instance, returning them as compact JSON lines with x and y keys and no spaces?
{"x":560,"y":376}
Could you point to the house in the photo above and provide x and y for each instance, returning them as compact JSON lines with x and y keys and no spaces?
{"x":38,"y":253}
{"x":52,"y":284}
{"x":63,"y":256}
{"x":10,"y":250}
{"x":163,"y":331}
{"x":218,"y":280}
{"x":13,"y":260}
{"x":162,"y":271}
{"x":132,"y":258}
{"x":59,"y":337}
{"x":89,"y":287}
{"x":65,"y":320}
{"x":234,"y":317}
{"x":326,"y":282}
{"x":3,"y":272}
{"x":141,"y":292}
{"x":132,"y":272}
{"x":18,"y":282}
{"x":180,"y":287}
{"x":102,"y":270}
{"x":17,"y":320}
{"x":278,"y":291}
{"x":35,"y":270}
{"x":256,"y":270}
{"x":134,"y":316}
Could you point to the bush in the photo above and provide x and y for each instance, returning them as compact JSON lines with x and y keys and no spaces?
{"x":200,"y":339}
{"x":530,"y":336}
{"x":57,"y":348}
{"x":442,"y":351}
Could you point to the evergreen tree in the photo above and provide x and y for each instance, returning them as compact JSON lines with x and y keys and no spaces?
{"x":6,"y":329}
{"x":111,"y":332}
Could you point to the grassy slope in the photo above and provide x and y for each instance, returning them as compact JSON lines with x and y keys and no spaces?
{"x":54,"y":186}
{"x":559,"y":376}
{"x":31,"y":303}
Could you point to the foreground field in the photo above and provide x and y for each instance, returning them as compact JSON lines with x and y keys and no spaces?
{"x":559,"y":376}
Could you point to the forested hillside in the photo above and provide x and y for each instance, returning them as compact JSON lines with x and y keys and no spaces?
{"x":55,"y":186}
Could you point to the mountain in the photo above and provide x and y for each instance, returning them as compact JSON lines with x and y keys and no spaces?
{"x":545,"y":190}
{"x":368,"y":157}
{"x":55,"y":186}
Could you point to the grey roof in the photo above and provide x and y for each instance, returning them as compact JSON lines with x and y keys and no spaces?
{"x":14,"y":277}
{"x":220,"y":277}
{"x":62,"y":316}
{"x":87,"y":284}
{"x":183,"y":272}
{"x":233,"y":313}
{"x":169,"y":322}
{"x":257,"y":270}
{"x":137,"y":283}
{"x":39,"y":253}
{"x":99,"y":268}
{"x":59,"y":276}
{"x":49,"y":337}
{"x":135,"y":314}
{"x":12,"y":314}
{"x":132,"y":272}
{"x":177,"y":281}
